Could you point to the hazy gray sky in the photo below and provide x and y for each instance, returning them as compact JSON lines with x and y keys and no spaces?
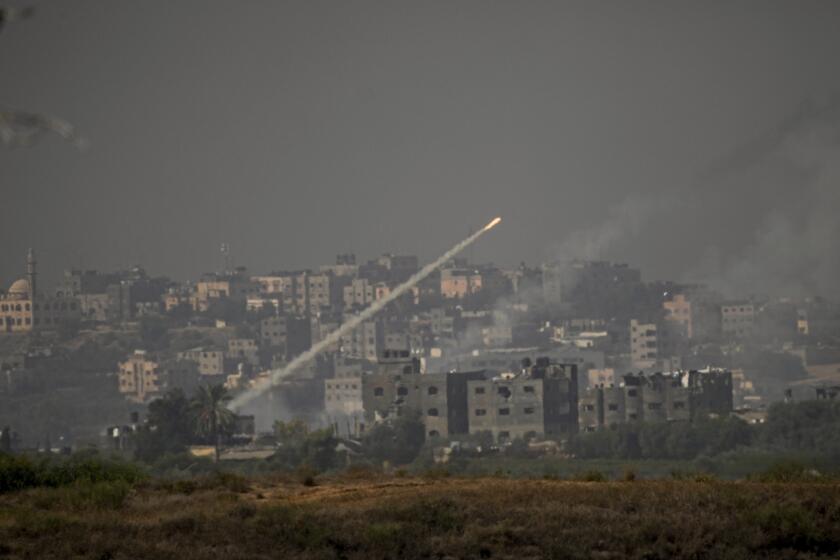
{"x":297,"y":130}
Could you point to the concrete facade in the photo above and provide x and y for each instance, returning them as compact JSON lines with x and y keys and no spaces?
{"x":659,"y":397}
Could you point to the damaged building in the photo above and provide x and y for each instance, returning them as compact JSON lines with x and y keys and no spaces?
{"x":658,"y":397}
{"x":540,"y":400}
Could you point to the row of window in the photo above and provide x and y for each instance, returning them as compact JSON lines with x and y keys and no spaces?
{"x":12,"y":321}
{"x":504,"y":390}
{"x":402,"y":391}
{"x":37,"y":307}
{"x":338,"y":386}
{"x":504,"y":411}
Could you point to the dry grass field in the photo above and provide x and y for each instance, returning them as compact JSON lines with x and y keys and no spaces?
{"x":386,"y":517}
{"x":374,"y":516}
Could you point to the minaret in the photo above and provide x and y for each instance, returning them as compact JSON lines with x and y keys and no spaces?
{"x":30,"y":272}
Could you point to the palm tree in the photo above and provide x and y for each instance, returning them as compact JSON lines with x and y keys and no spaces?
{"x":210,"y":413}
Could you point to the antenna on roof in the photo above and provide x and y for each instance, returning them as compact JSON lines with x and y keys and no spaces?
{"x":227,"y":260}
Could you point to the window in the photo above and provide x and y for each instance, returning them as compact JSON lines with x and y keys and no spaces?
{"x":504,"y":392}
{"x":432,"y":412}
{"x":480,"y":412}
{"x":679,"y":405}
{"x":654,"y":406}
{"x":504,"y":435}
{"x":432,"y":390}
{"x":631,"y":392}
{"x":528,"y":410}
{"x":612,"y":406}
{"x":479,"y":390}
{"x":528,"y":388}
{"x":433,"y":433}
{"x":504,"y":412}
{"x":378,"y":392}
{"x":402,"y":391}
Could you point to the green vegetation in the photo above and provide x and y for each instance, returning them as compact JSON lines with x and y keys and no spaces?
{"x":298,"y":448}
{"x":18,"y":472}
{"x":210,"y":414}
{"x":664,"y":440}
{"x":173,"y":422}
{"x":808,"y":428}
{"x":398,"y":442}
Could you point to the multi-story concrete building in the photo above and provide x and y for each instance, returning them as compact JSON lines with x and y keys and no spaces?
{"x":244,"y":350}
{"x":358,"y":294}
{"x":604,"y":377}
{"x":345,"y":266}
{"x":343,"y":395}
{"x":643,"y":344}
{"x":140,"y":377}
{"x":542,"y":400}
{"x":209,"y":361}
{"x":301,"y":292}
{"x":659,"y":397}
{"x":273,"y":331}
{"x":234,"y":286}
{"x":272,"y":304}
{"x":457,"y":283}
{"x":444,"y":402}
{"x":363,"y":341}
{"x":678,"y":312}
{"x":508,"y":406}
{"x":737,"y":318}
{"x":393,"y":386}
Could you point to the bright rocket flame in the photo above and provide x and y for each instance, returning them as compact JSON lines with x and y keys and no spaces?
{"x":335,"y":336}
{"x":493,"y":223}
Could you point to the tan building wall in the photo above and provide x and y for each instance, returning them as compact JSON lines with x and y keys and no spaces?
{"x":359,"y":293}
{"x":208,"y":361}
{"x":456,"y":283}
{"x":139,"y":377}
{"x":678,"y":311}
{"x":19,"y":313}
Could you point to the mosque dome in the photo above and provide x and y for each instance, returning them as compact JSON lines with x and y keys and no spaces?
{"x":20,"y":288}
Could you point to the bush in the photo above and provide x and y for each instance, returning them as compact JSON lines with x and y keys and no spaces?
{"x":788,"y":471}
{"x":21,"y":472}
{"x":83,"y":495}
{"x":17,"y":473}
{"x":591,"y":476}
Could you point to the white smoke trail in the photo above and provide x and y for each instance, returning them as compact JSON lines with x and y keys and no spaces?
{"x":249,"y":395}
